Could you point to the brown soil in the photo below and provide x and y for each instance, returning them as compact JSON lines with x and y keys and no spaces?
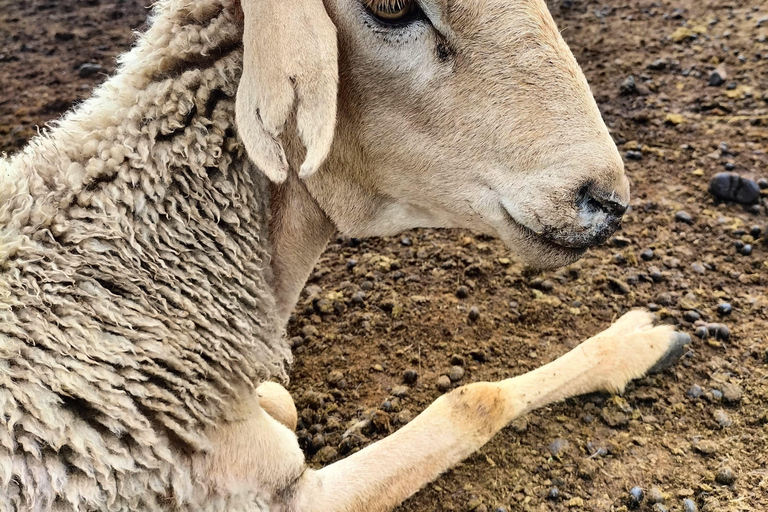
{"x":653,"y":436}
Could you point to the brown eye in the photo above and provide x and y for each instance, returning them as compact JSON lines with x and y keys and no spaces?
{"x":394,"y":12}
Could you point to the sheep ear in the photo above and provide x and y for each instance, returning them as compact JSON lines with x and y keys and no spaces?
{"x":290,"y":64}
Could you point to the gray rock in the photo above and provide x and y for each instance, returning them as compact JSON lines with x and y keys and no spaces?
{"x":728,"y":186}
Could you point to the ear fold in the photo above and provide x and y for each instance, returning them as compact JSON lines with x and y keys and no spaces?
{"x":289,"y":62}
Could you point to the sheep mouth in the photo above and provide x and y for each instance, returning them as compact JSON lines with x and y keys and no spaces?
{"x":543,"y":241}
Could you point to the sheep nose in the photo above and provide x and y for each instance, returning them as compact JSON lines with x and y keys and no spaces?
{"x":599,"y":214}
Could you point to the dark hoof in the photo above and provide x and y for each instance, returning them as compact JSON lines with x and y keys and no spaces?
{"x":679,"y":342}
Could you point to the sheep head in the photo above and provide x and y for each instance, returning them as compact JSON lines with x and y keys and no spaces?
{"x":451,"y":113}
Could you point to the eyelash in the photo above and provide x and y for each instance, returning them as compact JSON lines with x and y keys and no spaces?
{"x":413,"y":12}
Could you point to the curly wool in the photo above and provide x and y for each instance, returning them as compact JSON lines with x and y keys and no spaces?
{"x":135,"y":294}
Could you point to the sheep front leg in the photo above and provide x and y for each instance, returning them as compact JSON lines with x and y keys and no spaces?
{"x":381,"y":476}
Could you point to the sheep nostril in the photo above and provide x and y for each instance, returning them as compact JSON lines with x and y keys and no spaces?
{"x":592,"y":203}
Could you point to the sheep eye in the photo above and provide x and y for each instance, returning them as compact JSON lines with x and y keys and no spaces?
{"x":394,"y":12}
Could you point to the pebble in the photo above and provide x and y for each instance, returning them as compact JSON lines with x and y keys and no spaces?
{"x":655,"y":496}
{"x":410,"y":376}
{"x":633,"y":155}
{"x":443,"y":383}
{"x":755,"y":231}
{"x":683,"y":216}
{"x":557,"y":447}
{"x":474,"y":314}
{"x":725,"y":476}
{"x":456,"y":373}
{"x":689,"y":505}
{"x":647,"y":255}
{"x":462,"y":292}
{"x":698,"y":268}
{"x":619,"y":259}
{"x":351,"y":263}
{"x":732,"y":393}
{"x":335,"y":377}
{"x":628,"y":86}
{"x":722,"y":419}
{"x":716,"y":79}
{"x":407,"y":242}
{"x":702,"y":332}
{"x":400,"y":391}
{"x":762,"y":183}
{"x":636,"y":496}
{"x":691,"y":316}
{"x":746,"y":250}
{"x":457,"y":360}
{"x":695,"y":391}
{"x":88,"y":69}
{"x":729,"y":186}
{"x":553,"y":494}
{"x":724,"y":309}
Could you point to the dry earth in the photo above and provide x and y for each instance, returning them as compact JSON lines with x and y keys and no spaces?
{"x":353,"y":348}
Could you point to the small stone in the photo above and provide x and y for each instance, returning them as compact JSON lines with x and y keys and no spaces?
{"x":724,"y":309}
{"x":695,"y":391}
{"x":722,"y":419}
{"x":474,"y":314}
{"x":746,"y":250}
{"x":691,"y":316}
{"x":443,"y":383}
{"x":628,"y":86}
{"x":410,"y":376}
{"x":723,"y":333}
{"x":457,"y":360}
{"x":717,"y":78}
{"x":655,"y":496}
{"x":755,"y":232}
{"x":88,"y":69}
{"x":728,"y":186}
{"x":658,"y":64}
{"x":633,"y":155}
{"x":702,"y":332}
{"x":762,"y":183}
{"x":400,"y":391}
{"x":706,"y":447}
{"x":553,"y":494}
{"x":558,"y":447}
{"x":407,"y":242}
{"x":619,"y":259}
{"x":647,"y":255}
{"x":689,"y":505}
{"x":351,"y":263}
{"x":725,"y":476}
{"x":636,"y":496}
{"x":698,"y":268}
{"x":334,"y":377}
{"x":683,"y":216}
{"x":732,"y":393}
{"x":456,"y":373}
{"x":462,"y":292}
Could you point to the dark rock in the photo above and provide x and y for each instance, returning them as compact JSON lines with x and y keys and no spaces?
{"x":691,"y":316}
{"x":746,"y":250}
{"x":553,"y":494}
{"x":628,"y":86}
{"x":728,"y":186}
{"x":474,"y":314}
{"x":716,"y":78}
{"x":725,"y":476}
{"x":410,"y":376}
{"x":683,"y":216}
{"x":636,"y":497}
{"x":407,"y":242}
{"x":647,"y":255}
{"x":88,"y":69}
{"x":762,"y":183}
{"x":702,"y":332}
{"x":724,"y":309}
{"x":462,"y":292}
{"x":633,"y":155}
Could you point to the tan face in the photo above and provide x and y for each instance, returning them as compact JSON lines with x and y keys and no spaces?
{"x":451,"y":113}
{"x":475,"y":114}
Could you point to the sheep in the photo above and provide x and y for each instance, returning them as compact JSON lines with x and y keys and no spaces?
{"x":154,"y":241}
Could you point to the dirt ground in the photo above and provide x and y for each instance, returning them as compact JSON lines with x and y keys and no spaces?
{"x":678,"y":432}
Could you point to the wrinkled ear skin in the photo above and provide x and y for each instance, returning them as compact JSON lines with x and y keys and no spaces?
{"x":290,"y":64}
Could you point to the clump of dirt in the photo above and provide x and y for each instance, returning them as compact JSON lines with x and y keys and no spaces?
{"x":386,"y":325}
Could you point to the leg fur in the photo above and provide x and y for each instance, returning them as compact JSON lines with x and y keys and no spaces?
{"x":381,"y":476}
